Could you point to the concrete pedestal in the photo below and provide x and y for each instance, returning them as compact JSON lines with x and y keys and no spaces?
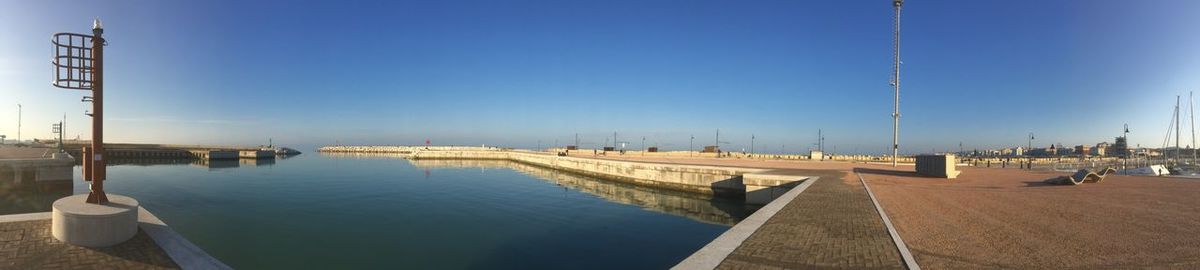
{"x":93,"y":225}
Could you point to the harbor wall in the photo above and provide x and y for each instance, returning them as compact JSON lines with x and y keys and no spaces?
{"x":725,"y":181}
{"x":57,"y":167}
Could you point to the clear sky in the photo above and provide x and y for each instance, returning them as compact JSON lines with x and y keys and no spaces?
{"x":984,"y":73}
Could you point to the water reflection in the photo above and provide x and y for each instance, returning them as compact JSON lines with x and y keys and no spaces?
{"x":257,"y":161}
{"x":215,"y":164}
{"x":355,"y":155}
{"x":31,"y":197}
{"x":703,"y":208}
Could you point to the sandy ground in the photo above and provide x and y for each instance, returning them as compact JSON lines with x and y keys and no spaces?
{"x":1006,"y":218}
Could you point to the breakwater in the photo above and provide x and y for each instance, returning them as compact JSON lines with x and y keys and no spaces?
{"x":697,"y":207}
{"x":758,"y":186}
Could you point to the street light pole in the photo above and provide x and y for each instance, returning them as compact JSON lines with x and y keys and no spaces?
{"x":1029,"y":147}
{"x":896,"y":84}
{"x":751,"y":144}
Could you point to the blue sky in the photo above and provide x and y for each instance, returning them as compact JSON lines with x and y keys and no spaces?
{"x":308,"y":73}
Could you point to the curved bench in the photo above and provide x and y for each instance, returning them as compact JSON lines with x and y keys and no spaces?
{"x":1082,"y":176}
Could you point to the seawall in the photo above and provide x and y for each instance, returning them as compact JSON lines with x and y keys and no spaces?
{"x":758,"y":186}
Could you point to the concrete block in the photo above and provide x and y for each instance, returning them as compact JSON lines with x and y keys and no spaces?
{"x":93,"y":225}
{"x":937,"y":166}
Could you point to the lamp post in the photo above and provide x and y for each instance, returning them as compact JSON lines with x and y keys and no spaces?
{"x":1029,"y":147}
{"x":896,"y":84}
{"x":1125,"y":153}
{"x":690,"y":147}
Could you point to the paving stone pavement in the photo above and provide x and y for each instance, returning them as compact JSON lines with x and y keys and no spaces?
{"x":29,"y":245}
{"x":831,"y":225}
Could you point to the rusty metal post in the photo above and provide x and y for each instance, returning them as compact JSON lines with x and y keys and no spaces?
{"x":97,"y":158}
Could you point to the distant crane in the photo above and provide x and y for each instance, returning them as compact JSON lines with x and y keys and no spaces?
{"x":719,"y":142}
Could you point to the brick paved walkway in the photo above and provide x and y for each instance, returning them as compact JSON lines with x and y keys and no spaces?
{"x":831,"y":225}
{"x":29,"y":245}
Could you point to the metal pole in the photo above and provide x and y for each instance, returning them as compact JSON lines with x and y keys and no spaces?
{"x":1125,"y":136}
{"x":752,"y":144}
{"x":896,"y":85}
{"x":690,"y":147}
{"x":1030,"y":145}
{"x":1192,"y":108}
{"x":62,"y":129}
{"x":1177,"y":129}
{"x":19,"y":109}
{"x":820,"y":142}
{"x":97,"y":195}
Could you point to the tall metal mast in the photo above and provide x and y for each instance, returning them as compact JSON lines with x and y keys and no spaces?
{"x":1192,"y":108}
{"x":820,"y":141}
{"x":98,"y":158}
{"x":896,"y":84}
{"x":79,"y":65}
{"x":1177,"y":129}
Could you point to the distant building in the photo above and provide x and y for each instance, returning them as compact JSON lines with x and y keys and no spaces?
{"x":1100,"y":149}
{"x":711,"y":149}
{"x":1066,"y":151}
{"x":1044,"y":152}
{"x":1082,"y":150}
{"x":1019,"y":151}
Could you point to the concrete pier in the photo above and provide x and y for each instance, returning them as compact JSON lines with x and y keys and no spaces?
{"x":35,"y":165}
{"x":715,"y":180}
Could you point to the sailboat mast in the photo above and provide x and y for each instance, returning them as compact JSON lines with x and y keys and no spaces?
{"x":1192,"y":109}
{"x":1177,"y":128}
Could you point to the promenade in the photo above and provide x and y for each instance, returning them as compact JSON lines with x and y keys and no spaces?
{"x":1007,"y":218}
{"x":987,"y":218}
{"x":29,"y":245}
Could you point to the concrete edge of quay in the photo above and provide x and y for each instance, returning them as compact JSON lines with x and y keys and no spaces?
{"x":715,"y":252}
{"x":179,"y":249}
{"x":759,"y":186}
{"x":909,"y":261}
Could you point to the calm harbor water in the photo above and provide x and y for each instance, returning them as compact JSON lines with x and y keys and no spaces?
{"x":323,"y":211}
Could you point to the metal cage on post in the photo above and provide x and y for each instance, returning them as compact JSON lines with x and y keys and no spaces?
{"x":79,"y":65}
{"x":72,"y":61}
